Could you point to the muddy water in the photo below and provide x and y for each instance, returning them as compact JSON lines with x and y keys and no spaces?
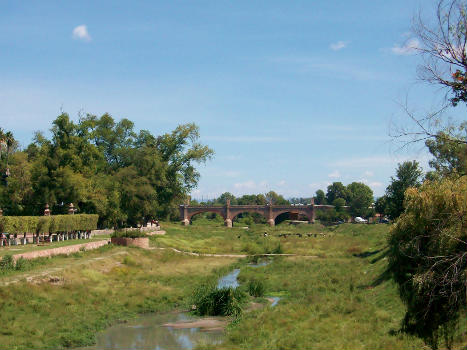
{"x":148,"y":332}
{"x":152,"y":332}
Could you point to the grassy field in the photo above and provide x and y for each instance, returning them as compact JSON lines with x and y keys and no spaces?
{"x":65,"y":308}
{"x":335,"y":293}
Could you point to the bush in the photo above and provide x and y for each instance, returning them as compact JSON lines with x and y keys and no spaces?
{"x":22,"y":264}
{"x":278,"y":249}
{"x":427,"y":248}
{"x":129,"y":234}
{"x":211,"y":301}
{"x":7,"y":263}
{"x":256,"y":288}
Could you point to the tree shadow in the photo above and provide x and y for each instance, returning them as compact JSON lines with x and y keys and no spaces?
{"x":367,"y":254}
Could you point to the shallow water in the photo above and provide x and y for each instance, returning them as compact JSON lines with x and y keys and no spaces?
{"x":275,"y":300}
{"x":229,"y":280}
{"x":148,"y":332}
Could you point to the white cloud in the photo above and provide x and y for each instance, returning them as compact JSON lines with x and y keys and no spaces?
{"x":334,"y":175}
{"x":409,"y":48}
{"x":281,"y":183}
{"x":376,"y":184}
{"x":81,"y":33}
{"x":368,"y":173}
{"x":338,"y":46}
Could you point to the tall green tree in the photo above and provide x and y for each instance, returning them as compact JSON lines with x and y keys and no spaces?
{"x":360,"y":198}
{"x":320,"y":197}
{"x":336,"y":190}
{"x":408,"y":174}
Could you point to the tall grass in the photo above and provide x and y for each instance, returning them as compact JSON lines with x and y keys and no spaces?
{"x":208,"y":300}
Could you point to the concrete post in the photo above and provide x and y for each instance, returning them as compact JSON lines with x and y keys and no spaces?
{"x":46,"y":210}
{"x":228,"y":220}
{"x":184,"y":212}
{"x":271,"y":221}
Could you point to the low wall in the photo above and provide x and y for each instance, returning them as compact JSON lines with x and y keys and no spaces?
{"x":109,"y":231}
{"x":61,"y":250}
{"x":142,"y":242}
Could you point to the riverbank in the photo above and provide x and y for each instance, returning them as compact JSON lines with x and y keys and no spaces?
{"x":340,"y":298}
{"x":71,"y":305}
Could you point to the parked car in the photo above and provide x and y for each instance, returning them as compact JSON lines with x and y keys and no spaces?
{"x":360,"y":220}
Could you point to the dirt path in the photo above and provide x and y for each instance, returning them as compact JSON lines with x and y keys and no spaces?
{"x":230,"y":255}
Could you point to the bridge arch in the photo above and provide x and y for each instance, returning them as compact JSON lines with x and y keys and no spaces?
{"x":291,"y":211}
{"x":234,"y":214}
{"x":207,"y":210}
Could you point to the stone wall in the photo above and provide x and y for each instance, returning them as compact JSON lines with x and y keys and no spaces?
{"x":61,"y":250}
{"x":142,"y":242}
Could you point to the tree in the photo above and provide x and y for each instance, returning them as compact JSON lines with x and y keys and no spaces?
{"x":336,"y":190}
{"x":225,"y":196}
{"x":275,"y":198}
{"x":360,"y":198}
{"x":427,"y":258}
{"x":449,"y":156}
{"x":339,"y":204}
{"x":320,"y":197}
{"x":442,"y":46}
{"x":381,"y":205}
{"x":408,"y":174}
{"x":105,"y":167}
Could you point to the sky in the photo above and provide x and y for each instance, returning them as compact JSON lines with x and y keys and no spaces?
{"x":291,"y":95}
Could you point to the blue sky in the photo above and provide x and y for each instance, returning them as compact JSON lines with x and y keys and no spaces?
{"x":291,"y":95}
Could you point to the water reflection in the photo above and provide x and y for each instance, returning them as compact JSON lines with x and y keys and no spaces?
{"x":148,"y":332}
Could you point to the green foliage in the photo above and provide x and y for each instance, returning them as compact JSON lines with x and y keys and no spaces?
{"x":336,"y":190}
{"x":408,"y":174}
{"x":381,"y":205}
{"x":256,"y":288}
{"x":338,"y":204}
{"x":427,"y":257}
{"x":106,"y":168}
{"x":450,"y":154}
{"x":7,"y":263}
{"x":129,"y":233}
{"x":211,"y":301}
{"x":320,"y":197}
{"x":360,"y":198}
{"x":52,"y":224}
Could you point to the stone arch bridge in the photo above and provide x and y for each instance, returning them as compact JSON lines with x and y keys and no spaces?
{"x":269,"y":211}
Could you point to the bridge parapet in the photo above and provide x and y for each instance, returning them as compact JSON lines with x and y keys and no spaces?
{"x":269,"y":211}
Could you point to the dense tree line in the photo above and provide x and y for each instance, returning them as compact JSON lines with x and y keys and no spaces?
{"x":356,"y":196}
{"x":103,"y":167}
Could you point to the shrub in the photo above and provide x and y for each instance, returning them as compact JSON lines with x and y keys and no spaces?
{"x":7,"y":263}
{"x":22,"y":264}
{"x":46,"y":224}
{"x":211,"y":301}
{"x":129,"y":234}
{"x":256,"y":288}
{"x":278,"y":249}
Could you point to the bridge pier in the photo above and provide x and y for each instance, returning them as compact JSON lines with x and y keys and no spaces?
{"x":271,"y":222}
